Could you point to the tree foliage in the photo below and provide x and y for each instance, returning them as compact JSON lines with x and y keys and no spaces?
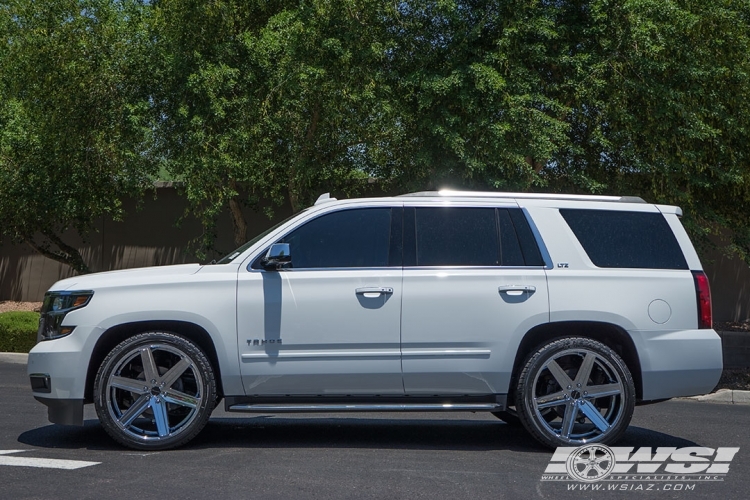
{"x":281,"y":100}
{"x":74,"y":130}
{"x":268,"y":99}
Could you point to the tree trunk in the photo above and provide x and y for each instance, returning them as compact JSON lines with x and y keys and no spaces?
{"x":238,"y":221}
{"x":536,"y":165}
{"x":65,"y":254}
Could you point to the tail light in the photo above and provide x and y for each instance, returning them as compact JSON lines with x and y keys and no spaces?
{"x":703,"y":294}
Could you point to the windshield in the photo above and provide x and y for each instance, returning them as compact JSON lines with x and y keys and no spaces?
{"x":229,"y":258}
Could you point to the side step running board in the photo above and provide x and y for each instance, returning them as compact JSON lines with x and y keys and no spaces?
{"x":293,"y":408}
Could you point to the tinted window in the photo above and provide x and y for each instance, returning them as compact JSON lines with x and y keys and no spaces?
{"x":531,"y":254}
{"x":626,"y":239}
{"x":511,"y":248}
{"x":349,"y":238}
{"x":449,"y":236}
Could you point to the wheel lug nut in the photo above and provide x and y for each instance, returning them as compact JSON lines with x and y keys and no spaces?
{"x":153,"y":380}
{"x":570,"y":387}
{"x":578,"y":385}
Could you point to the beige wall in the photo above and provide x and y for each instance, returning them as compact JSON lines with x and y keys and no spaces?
{"x":149,"y":237}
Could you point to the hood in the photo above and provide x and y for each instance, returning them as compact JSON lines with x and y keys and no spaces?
{"x":139,"y":275}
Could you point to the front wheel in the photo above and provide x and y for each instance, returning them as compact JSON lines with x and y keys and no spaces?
{"x":154,"y":391}
{"x":588,"y":386}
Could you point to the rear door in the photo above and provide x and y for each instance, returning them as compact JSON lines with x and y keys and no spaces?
{"x":474,"y":283}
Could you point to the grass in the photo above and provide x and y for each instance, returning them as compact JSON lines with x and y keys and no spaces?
{"x":18,"y":331}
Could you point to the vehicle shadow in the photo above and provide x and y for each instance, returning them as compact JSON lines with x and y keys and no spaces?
{"x":341,"y":432}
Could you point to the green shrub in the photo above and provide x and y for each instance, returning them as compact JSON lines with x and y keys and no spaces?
{"x":18,"y":331}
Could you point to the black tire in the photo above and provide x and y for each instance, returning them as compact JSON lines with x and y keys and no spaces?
{"x":154,"y":391}
{"x":579,"y":378}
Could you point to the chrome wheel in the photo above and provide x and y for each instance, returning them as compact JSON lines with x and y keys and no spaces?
{"x":585,"y":384}
{"x":154,"y":391}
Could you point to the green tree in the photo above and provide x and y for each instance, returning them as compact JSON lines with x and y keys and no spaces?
{"x":641,"y":97}
{"x":269,"y":100}
{"x":75,"y":135}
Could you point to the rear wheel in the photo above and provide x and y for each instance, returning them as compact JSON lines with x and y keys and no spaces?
{"x":154,"y":391}
{"x":585,"y":383}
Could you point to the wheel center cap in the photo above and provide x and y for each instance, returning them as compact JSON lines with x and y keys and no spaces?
{"x":575,"y":395}
{"x":155,"y":391}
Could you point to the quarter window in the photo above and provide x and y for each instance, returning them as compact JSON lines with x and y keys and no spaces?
{"x":626,"y":239}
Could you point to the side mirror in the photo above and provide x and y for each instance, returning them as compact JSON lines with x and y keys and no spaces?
{"x":277,"y":255}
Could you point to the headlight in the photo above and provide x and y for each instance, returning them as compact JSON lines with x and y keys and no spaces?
{"x":54,"y":308}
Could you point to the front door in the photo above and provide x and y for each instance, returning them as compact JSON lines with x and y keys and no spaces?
{"x":329,"y":324}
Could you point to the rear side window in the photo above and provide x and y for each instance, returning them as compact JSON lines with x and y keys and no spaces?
{"x":457,"y":237}
{"x":465,"y":236}
{"x":626,"y":239}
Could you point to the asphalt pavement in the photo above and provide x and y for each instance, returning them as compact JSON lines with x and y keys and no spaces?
{"x":374,"y":455}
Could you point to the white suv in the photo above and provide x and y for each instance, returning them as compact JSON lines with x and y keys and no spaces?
{"x":556,"y":312}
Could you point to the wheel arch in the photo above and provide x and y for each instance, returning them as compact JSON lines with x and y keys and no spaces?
{"x":611,"y":335}
{"x":116,"y":334}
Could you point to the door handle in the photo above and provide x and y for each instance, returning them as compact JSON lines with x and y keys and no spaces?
{"x":516,"y":289}
{"x":375,"y":290}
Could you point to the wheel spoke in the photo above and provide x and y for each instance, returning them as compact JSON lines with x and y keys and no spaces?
{"x":569,"y":419}
{"x":128,"y":384}
{"x":161,"y":419}
{"x":560,"y":376}
{"x":135,"y":410}
{"x":584,"y":372}
{"x":175,"y":372}
{"x":550,"y":400}
{"x":181,"y":398}
{"x":149,"y":365}
{"x":593,"y":414}
{"x":599,"y":391}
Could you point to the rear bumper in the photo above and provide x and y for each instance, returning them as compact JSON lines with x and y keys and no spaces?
{"x":678,"y":363}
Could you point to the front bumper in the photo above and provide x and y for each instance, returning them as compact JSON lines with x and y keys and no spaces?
{"x":678,"y":363}
{"x":63,"y":411}
{"x":62,"y":364}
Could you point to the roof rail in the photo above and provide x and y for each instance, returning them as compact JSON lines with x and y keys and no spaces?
{"x":535,"y":196}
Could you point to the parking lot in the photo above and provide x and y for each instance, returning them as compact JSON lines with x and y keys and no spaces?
{"x":375,"y":455}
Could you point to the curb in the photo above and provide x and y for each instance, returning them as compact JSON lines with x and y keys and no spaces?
{"x":19,"y":358}
{"x":725,"y":396}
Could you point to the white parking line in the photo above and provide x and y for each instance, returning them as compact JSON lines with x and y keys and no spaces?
{"x":46,"y":463}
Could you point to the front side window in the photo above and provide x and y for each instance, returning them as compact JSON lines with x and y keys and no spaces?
{"x":348,"y":238}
